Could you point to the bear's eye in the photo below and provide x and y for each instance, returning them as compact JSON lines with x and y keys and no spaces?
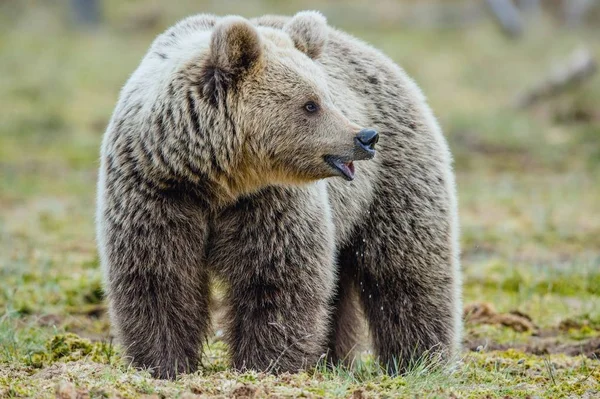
{"x":311,"y":107}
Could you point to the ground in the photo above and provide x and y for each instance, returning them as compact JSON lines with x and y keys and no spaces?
{"x":528,"y":183}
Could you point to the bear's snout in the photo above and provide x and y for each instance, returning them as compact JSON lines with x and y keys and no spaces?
{"x":364,"y":144}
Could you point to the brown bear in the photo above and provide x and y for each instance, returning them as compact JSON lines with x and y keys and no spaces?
{"x":230,"y":154}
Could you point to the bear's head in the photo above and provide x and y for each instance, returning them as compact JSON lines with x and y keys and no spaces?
{"x":277,"y":123}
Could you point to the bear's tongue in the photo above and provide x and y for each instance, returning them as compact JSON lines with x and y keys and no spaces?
{"x":347,"y":168}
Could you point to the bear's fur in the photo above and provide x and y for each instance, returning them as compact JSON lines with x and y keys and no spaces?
{"x":212,"y":166}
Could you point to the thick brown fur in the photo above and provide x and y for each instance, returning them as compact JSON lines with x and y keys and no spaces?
{"x":212,"y":166}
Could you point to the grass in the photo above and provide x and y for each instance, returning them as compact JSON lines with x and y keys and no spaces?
{"x":529,"y":208}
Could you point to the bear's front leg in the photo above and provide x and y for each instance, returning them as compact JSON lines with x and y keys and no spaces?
{"x":152,"y":254}
{"x":276,"y":251}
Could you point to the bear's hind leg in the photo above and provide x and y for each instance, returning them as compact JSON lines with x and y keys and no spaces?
{"x":347,"y":321}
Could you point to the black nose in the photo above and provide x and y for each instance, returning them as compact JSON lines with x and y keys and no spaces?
{"x":368,"y":138}
{"x":364,"y":144}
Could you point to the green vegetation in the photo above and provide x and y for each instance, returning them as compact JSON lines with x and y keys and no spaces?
{"x":529,"y":192}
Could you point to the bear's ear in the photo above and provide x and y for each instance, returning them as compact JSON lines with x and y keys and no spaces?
{"x":308,"y":30}
{"x":235,"y":47}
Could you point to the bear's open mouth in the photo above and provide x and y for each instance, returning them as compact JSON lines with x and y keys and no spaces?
{"x":346,"y":168}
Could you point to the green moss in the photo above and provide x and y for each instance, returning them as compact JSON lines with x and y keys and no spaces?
{"x":214,"y":357}
{"x":582,"y":333}
{"x":71,"y":347}
{"x":68,"y":347}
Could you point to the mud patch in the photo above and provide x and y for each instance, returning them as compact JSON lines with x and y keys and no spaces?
{"x":485,"y":313}
{"x":589,"y":348}
{"x":570,"y":337}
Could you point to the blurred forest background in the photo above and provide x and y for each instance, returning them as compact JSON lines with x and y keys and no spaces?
{"x":516,"y":89}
